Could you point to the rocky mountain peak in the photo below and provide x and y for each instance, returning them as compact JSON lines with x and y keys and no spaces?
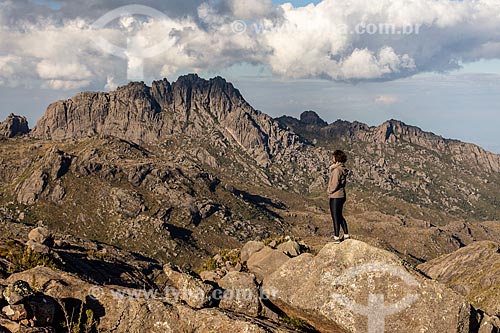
{"x":137,"y":91}
{"x":13,"y":126}
{"x":190,"y":106}
{"x":401,"y":130}
{"x":190,"y":79}
{"x":312,"y":118}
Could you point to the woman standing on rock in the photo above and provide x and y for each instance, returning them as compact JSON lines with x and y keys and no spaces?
{"x":337,"y":195}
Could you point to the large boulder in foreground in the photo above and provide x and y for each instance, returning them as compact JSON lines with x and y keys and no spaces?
{"x":473,"y":271}
{"x":343,"y":285}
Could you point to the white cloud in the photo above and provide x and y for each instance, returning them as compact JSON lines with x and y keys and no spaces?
{"x":9,"y":65}
{"x":315,"y":41}
{"x":386,"y":99}
{"x":13,"y":71}
{"x":60,"y":70}
{"x":110,"y":83}
{"x":65,"y":84}
{"x":364,"y":64}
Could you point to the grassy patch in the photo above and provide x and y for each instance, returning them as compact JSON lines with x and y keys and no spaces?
{"x":21,"y":258}
{"x":232,"y":256}
{"x":77,"y":319}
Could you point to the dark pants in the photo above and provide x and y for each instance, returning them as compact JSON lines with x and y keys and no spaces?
{"x":336,"y":207}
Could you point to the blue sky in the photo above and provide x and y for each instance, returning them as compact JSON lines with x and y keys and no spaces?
{"x":446,"y":79}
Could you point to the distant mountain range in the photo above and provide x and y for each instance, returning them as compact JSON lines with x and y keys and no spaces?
{"x":126,"y":186}
{"x":189,"y":159}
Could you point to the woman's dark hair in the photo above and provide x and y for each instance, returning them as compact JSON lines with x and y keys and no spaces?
{"x":340,"y":156}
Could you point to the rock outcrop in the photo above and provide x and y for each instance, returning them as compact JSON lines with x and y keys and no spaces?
{"x":460,"y":152}
{"x":17,"y":291}
{"x":266,"y":261}
{"x":209,"y":123}
{"x":404,"y":163}
{"x":121,"y":193}
{"x":26,"y":310}
{"x":40,"y":240}
{"x":115,"y":290}
{"x":51,"y":167}
{"x":416,"y":240}
{"x":290,"y":248}
{"x":196,"y":293}
{"x":250,"y":248}
{"x":312,"y":118}
{"x":330,"y":291}
{"x":197,"y":179}
{"x":489,"y":324}
{"x":14,"y":126}
{"x":241,"y":293}
{"x":190,"y":106}
{"x":472,"y":271}
{"x":123,"y":310}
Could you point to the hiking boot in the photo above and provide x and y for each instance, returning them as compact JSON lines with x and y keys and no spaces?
{"x":336,"y":240}
{"x":347,"y":236}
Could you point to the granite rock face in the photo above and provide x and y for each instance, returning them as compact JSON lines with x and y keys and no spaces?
{"x":460,"y":152}
{"x":241,"y":293}
{"x":330,"y":290}
{"x":265,"y":262}
{"x":215,"y":126}
{"x":190,"y":106}
{"x":16,"y":292}
{"x":404,"y":162}
{"x":52,"y":167}
{"x":40,"y":240}
{"x":14,"y":126}
{"x":473,"y":271}
{"x":392,"y":132}
{"x":250,"y":248}
{"x":290,"y":248}
{"x":196,"y":293}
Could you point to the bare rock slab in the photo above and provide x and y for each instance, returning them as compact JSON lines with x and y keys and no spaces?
{"x":196,"y":293}
{"x":265,"y":262}
{"x":241,"y":293}
{"x":290,"y":248}
{"x":14,"y":126}
{"x":473,"y":271}
{"x":345,"y":284}
{"x":250,"y":248}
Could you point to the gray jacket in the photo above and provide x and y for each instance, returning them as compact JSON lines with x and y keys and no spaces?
{"x":338,"y":180}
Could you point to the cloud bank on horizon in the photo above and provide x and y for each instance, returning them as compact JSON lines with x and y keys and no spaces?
{"x":52,"y":44}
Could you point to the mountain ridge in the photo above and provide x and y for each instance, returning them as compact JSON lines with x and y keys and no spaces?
{"x":210,"y":123}
{"x":158,"y":91}
{"x":207,"y":162}
{"x":389,"y":131}
{"x":61,"y":122}
{"x":187,"y":106}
